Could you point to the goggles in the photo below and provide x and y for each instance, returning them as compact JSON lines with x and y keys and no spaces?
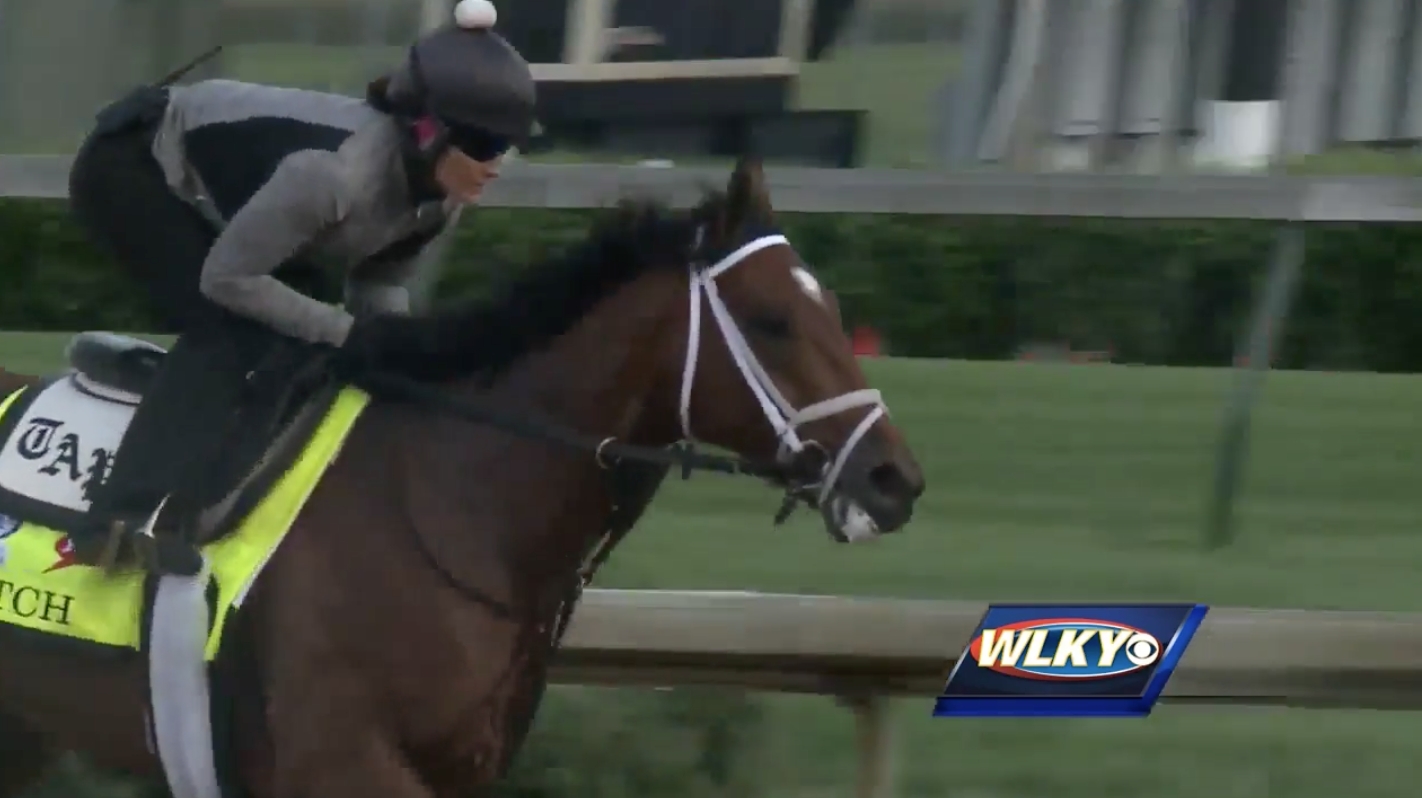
{"x":480,"y":145}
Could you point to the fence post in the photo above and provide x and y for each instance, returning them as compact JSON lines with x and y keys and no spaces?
{"x":1295,"y":61}
{"x":1267,"y":330}
{"x":873,"y":738}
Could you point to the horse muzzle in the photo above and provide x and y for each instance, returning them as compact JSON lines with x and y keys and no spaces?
{"x":875,"y":493}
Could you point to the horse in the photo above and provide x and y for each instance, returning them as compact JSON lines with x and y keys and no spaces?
{"x":396,"y":644}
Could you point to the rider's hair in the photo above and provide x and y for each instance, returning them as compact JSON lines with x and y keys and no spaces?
{"x":377,"y":96}
{"x":388,"y":99}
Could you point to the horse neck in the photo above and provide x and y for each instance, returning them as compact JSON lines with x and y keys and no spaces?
{"x":594,"y":379}
{"x":550,"y":503}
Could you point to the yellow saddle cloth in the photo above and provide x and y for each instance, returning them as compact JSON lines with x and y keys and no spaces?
{"x":43,"y":590}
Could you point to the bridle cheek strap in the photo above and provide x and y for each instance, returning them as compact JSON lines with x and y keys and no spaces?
{"x":783,"y":417}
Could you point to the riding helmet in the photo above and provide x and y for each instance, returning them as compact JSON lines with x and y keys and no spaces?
{"x":469,"y":82}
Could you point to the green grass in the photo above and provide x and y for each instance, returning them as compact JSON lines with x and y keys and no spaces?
{"x":1081,"y":483}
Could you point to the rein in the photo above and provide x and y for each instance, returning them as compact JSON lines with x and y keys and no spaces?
{"x":609,"y":452}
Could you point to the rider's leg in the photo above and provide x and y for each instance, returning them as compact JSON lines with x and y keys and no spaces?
{"x":119,"y":195}
{"x":175,"y":432}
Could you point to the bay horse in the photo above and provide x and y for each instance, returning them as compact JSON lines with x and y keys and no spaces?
{"x":396,"y":644}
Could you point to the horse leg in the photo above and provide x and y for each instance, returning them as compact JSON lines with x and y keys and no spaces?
{"x":25,"y":759}
{"x":314,"y":758}
{"x":325,"y":739}
{"x":324,"y":736}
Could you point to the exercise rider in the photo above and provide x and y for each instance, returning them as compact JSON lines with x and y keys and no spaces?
{"x":234,"y":205}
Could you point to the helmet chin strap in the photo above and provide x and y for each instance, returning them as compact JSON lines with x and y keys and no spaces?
{"x":783,"y":417}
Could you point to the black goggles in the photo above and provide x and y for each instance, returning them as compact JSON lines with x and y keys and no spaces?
{"x":481,"y":145}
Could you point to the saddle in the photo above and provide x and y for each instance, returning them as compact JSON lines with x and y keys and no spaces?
{"x":60,"y":438}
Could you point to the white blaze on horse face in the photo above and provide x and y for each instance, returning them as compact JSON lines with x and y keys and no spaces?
{"x":808,"y":284}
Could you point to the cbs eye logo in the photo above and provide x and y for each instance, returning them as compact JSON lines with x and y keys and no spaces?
{"x":1142,"y":649}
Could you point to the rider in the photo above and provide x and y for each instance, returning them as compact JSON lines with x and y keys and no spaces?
{"x":224,"y":198}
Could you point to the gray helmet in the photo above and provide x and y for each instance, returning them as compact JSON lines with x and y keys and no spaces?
{"x":469,"y":78}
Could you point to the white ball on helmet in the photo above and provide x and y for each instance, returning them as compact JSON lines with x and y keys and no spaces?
{"x":475,"y":14}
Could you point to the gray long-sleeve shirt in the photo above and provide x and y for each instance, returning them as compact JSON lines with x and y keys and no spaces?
{"x":286,"y":173}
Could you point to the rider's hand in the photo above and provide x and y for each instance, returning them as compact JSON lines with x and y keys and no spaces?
{"x":373,"y":344}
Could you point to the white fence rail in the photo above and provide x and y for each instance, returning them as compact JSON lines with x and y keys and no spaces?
{"x":865,"y":650}
{"x":1302,"y":199}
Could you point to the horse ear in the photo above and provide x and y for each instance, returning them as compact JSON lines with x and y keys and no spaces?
{"x":748,"y":199}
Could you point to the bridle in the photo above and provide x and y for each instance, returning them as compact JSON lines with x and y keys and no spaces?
{"x":804,"y":482}
{"x":609,"y":452}
{"x":782,"y":416}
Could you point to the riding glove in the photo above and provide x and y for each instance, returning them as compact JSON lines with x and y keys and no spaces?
{"x":374,"y":344}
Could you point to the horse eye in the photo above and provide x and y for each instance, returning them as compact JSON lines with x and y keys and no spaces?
{"x":769,"y":326}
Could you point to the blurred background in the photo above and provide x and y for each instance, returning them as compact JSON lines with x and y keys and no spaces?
{"x":1062,"y":380}
{"x":840,"y":57}
{"x":905,"y":83}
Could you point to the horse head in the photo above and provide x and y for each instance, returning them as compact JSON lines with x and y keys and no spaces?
{"x":698,"y":325}
{"x":755,"y":360}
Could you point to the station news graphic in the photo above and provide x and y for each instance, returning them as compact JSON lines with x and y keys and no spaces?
{"x":1069,"y":660}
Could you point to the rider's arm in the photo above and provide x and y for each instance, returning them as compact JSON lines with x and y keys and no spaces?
{"x":385,"y":288}
{"x":304,"y":198}
{"x":375,"y":296}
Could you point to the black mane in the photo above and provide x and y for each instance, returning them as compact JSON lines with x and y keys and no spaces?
{"x":529,"y":308}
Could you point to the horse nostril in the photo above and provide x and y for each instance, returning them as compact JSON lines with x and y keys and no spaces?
{"x":890,"y":481}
